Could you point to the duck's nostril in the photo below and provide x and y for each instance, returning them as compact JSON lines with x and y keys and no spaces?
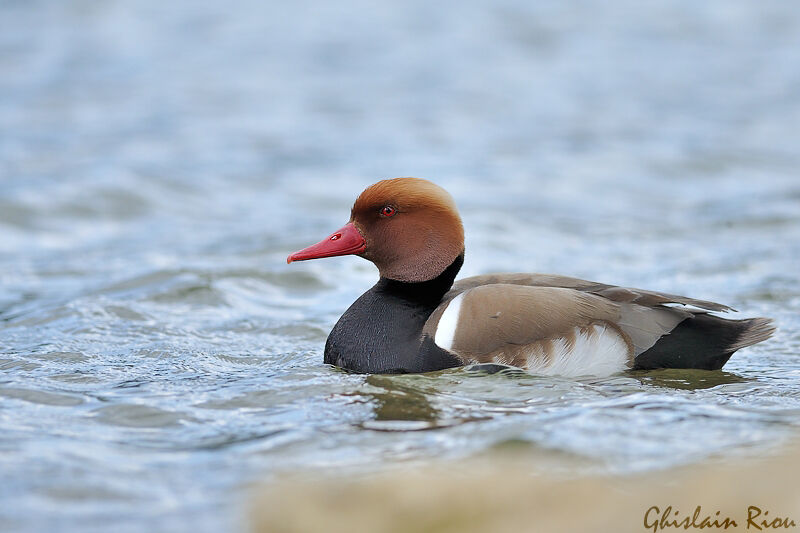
{"x":336,"y":236}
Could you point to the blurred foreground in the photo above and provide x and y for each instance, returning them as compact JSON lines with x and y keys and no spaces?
{"x":513,"y":493}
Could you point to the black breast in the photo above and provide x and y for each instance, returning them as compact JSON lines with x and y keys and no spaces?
{"x":382,"y":331}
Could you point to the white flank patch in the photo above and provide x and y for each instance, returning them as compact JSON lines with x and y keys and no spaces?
{"x":446,"y":329}
{"x":599,"y":352}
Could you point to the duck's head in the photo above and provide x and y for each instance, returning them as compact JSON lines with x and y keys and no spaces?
{"x":408,"y":227}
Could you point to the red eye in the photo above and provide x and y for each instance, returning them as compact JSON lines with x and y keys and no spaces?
{"x":388,"y":211}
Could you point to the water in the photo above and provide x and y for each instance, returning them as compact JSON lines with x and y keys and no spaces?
{"x":159,"y":160}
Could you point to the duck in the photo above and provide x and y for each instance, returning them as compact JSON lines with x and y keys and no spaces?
{"x":417,"y":318}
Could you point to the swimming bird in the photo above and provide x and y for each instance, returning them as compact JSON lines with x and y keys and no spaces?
{"x":416,"y":319}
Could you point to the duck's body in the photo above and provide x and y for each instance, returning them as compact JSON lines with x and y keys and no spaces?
{"x":415,"y":319}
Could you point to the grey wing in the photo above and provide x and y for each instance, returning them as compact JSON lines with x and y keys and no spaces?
{"x":642,"y":315}
{"x":508,"y":319}
{"x":612,"y":292}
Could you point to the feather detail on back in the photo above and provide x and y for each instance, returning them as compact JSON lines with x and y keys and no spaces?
{"x":610,"y":292}
{"x":537,"y":320}
{"x":549,"y":330}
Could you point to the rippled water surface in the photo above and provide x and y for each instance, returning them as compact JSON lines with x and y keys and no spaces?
{"x":159,"y":160}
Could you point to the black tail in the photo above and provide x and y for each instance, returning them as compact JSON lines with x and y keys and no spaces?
{"x":704,"y":341}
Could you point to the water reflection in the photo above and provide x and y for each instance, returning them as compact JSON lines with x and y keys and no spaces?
{"x":398,"y":406}
{"x":687,"y":379}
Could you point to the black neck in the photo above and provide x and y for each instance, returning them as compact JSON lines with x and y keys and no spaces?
{"x":424,"y":292}
{"x":382,"y":330}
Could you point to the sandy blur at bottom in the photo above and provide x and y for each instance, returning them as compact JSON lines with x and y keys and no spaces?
{"x":518,"y":492}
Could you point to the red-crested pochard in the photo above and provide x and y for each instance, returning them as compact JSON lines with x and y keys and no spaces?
{"x":415,"y":319}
